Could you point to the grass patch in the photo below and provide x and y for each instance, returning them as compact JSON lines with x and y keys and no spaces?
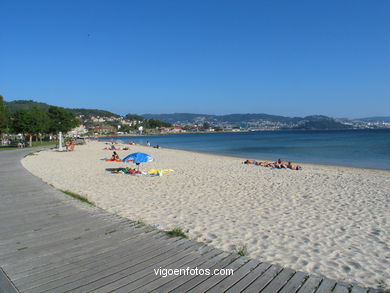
{"x":43,"y":143}
{"x":109,"y":232}
{"x":7,"y":148}
{"x":78,"y":197}
{"x":30,"y":154}
{"x":140,"y":222}
{"x":241,"y":250}
{"x":34,"y":144}
{"x":177,"y":232}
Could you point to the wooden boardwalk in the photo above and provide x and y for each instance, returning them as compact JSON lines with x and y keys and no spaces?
{"x":50,"y":242}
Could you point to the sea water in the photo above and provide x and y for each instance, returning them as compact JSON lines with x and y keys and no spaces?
{"x":351,"y":148}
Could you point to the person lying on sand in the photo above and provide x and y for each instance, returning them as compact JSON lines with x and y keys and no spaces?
{"x":279,"y":164}
{"x":293,"y":167}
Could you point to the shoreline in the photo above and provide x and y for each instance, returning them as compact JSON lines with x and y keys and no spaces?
{"x":325,"y":220}
{"x":257,"y":159}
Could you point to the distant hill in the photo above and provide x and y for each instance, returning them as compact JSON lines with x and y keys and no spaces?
{"x":180,"y":117}
{"x":309,"y":122}
{"x":231,"y":118}
{"x":92,"y":112}
{"x":14,"y":106}
{"x":324,"y":124}
{"x":252,"y":120}
{"x":376,"y":119}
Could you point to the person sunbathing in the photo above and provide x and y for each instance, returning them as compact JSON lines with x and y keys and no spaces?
{"x":279,"y":161}
{"x":293,"y":167}
{"x":250,"y":162}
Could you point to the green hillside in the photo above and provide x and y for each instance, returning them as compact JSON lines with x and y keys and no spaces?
{"x":309,"y":122}
{"x":16,"y":105}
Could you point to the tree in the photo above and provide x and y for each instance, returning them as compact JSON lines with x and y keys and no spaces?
{"x":4,"y":117}
{"x":61,"y":120}
{"x":40,"y":122}
{"x":206,"y":125}
{"x":32,"y":122}
{"x":134,"y":117}
{"x":21,"y":122}
{"x":155,"y":123}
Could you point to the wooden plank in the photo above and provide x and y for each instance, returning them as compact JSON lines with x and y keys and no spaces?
{"x":136,"y":270}
{"x":143,"y":284}
{"x":86,"y":255}
{"x":294,"y":283}
{"x":6,"y":285}
{"x":114,"y":257}
{"x":177,"y":282}
{"x":43,"y":229}
{"x":261,"y":282}
{"x":114,"y":272}
{"x":82,"y":272}
{"x":340,"y":289}
{"x":249,"y":278}
{"x":237,"y":276}
{"x":55,"y":236}
{"x":199,"y":279}
{"x":215,"y":279}
{"x":326,"y":286}
{"x":86,"y":249}
{"x":158,"y":281}
{"x":279,"y":281}
{"x":52,"y":247}
{"x":357,"y":289}
{"x":310,"y":284}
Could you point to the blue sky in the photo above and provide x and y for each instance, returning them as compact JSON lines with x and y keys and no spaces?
{"x":292,"y":58}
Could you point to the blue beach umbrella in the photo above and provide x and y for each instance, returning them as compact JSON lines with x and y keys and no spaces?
{"x":138,"y":158}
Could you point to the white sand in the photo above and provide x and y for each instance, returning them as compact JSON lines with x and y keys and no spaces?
{"x":330,"y":221}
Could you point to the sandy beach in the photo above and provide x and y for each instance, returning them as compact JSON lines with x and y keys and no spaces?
{"x":330,"y":221}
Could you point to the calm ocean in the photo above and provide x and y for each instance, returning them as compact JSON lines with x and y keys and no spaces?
{"x":352,"y":148}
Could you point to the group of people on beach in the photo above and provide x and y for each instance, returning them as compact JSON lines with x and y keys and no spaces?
{"x":279,"y":164}
{"x":69,"y":145}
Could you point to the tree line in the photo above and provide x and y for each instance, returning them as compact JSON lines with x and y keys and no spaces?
{"x":35,"y":121}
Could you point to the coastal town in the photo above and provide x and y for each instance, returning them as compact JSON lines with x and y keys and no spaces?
{"x":104,"y":125}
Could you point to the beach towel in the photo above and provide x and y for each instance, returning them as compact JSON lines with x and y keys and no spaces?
{"x":159,"y":172}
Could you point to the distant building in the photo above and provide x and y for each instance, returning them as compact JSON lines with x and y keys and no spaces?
{"x":104,"y":129}
{"x":80,"y":130}
{"x":171,"y":129}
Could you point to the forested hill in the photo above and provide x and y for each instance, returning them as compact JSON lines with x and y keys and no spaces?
{"x":14,"y":106}
{"x":92,"y":112}
{"x":232,"y":118}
